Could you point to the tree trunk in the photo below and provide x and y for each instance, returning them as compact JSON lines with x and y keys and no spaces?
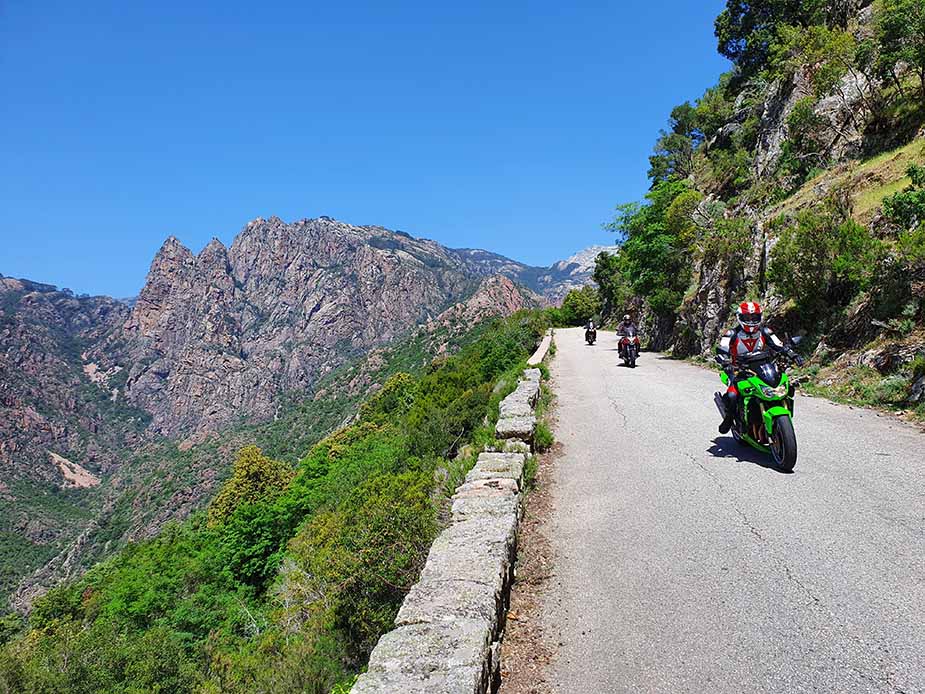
{"x":899,"y":85}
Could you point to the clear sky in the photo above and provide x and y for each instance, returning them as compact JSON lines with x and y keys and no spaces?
{"x":510,"y":126}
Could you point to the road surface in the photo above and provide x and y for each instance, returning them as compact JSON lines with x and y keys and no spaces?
{"x":687,"y":563}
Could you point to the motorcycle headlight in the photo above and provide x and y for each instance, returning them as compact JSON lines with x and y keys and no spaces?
{"x":778,"y":392}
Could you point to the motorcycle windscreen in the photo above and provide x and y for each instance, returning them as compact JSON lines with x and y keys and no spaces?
{"x":769,"y":373}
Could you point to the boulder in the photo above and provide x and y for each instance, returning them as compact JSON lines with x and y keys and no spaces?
{"x":917,"y":392}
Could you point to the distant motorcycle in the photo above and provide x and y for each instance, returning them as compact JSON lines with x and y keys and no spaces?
{"x":590,"y":336}
{"x":629,"y":347}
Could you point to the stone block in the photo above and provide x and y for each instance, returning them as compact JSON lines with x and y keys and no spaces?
{"x":477,"y":504}
{"x":480,"y":549}
{"x":499,"y":486}
{"x":449,"y":657}
{"x":437,"y":601}
{"x":516,"y":428}
{"x":498,"y":465}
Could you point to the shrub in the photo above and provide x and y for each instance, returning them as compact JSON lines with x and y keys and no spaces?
{"x":255,"y":479}
{"x":907,"y":208}
{"x":361,"y":557}
{"x":821,"y":261}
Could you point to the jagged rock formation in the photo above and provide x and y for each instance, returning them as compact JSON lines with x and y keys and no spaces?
{"x":218,"y":336}
{"x":572,"y":273}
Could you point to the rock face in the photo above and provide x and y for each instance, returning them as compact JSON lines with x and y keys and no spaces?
{"x":552,"y":283}
{"x":55,"y":400}
{"x":218,"y":336}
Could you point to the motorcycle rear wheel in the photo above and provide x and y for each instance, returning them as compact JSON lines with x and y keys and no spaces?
{"x":784,"y":443}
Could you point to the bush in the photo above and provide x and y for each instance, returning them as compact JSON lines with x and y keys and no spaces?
{"x":579,"y":306}
{"x":360,"y":558}
{"x":907,"y":208}
{"x":821,"y":261}
{"x":255,"y":479}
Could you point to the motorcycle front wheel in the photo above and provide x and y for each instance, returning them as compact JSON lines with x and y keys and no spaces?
{"x":784,"y":443}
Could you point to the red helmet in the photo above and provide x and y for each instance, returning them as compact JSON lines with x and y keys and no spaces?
{"x":750,"y":316}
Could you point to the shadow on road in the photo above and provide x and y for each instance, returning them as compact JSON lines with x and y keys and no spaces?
{"x":727,"y":447}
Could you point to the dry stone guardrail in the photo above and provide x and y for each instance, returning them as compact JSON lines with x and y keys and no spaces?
{"x":448,"y":631}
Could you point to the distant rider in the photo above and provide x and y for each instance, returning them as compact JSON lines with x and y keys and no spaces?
{"x":750,"y":336}
{"x":624,"y":328}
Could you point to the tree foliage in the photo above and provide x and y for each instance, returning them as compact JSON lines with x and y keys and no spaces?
{"x":747,"y":29}
{"x":901,"y":35}
{"x":580,"y":305}
{"x":674,"y":150}
{"x":654,"y":260}
{"x":255,"y":479}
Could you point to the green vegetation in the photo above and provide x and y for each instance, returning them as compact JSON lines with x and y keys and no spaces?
{"x":294,"y":572}
{"x":543,"y":438}
{"x":839,"y":202}
{"x":578,"y":307}
{"x":822,"y":259}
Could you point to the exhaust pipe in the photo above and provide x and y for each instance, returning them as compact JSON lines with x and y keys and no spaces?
{"x":720,"y":404}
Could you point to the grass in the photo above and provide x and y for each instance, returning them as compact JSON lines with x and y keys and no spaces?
{"x":862,"y":386}
{"x":869,"y":181}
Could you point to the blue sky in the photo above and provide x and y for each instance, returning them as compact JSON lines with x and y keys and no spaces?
{"x":515,"y":127}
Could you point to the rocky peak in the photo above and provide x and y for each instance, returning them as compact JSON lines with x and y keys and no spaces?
{"x":220,"y":336}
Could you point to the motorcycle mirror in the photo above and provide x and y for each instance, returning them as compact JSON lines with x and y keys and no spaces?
{"x":796,"y":339}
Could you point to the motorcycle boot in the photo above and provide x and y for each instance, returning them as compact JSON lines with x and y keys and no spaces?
{"x":731,"y":402}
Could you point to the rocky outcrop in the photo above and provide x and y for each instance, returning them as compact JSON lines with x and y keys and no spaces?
{"x":49,"y":403}
{"x":572,"y":273}
{"x":496,"y":296}
{"x":219,"y":336}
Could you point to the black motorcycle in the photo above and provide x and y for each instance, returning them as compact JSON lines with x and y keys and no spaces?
{"x":590,"y":336}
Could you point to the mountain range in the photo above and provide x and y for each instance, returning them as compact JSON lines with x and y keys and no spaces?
{"x":215,"y":341}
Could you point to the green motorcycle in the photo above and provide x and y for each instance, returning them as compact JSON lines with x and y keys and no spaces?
{"x":765,"y":417}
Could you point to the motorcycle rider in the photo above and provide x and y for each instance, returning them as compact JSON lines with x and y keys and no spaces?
{"x":622,"y":329}
{"x":751,"y":336}
{"x":590,"y":332}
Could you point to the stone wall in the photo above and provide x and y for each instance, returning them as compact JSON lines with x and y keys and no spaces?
{"x":448,"y":631}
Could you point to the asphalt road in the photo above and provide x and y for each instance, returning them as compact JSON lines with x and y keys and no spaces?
{"x":687,"y":563}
